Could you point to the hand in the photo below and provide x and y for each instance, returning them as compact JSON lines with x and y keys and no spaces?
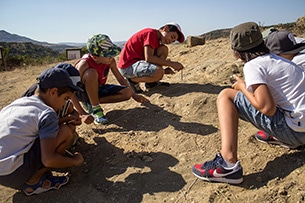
{"x":75,"y":120}
{"x":239,"y":84}
{"x":78,"y":158}
{"x":168,"y":70}
{"x":139,"y":98}
{"x":177,"y":66}
{"x":87,"y":118}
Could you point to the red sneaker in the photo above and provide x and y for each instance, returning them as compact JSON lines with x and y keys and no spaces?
{"x":264,"y":137}
{"x":214,"y":171}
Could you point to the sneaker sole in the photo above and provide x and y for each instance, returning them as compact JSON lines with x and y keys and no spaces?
{"x":273,"y":142}
{"x":97,"y":123}
{"x":221,"y":180}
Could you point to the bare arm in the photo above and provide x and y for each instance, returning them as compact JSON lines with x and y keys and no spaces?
{"x":117,"y":74}
{"x":53,"y":159}
{"x":261,"y":98}
{"x":151,"y":58}
{"x":72,"y":116}
{"x":123,"y":81}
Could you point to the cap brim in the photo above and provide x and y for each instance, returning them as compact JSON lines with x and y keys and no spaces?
{"x":115,"y":50}
{"x":298,"y":47}
{"x":182,"y":38}
{"x":75,"y":79}
{"x":76,"y":88}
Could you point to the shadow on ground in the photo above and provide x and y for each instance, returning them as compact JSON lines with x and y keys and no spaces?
{"x":110,"y":175}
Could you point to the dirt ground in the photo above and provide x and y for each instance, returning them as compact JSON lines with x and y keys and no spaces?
{"x":147,"y":151}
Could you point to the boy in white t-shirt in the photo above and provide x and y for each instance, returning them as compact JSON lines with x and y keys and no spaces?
{"x":271,"y":98}
{"x":284,"y":44}
{"x":31,"y":140}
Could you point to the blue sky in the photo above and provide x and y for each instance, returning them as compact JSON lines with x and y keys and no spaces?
{"x":76,"y":20}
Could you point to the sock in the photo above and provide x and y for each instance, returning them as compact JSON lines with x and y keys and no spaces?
{"x":96,"y":106}
{"x":228,"y":164}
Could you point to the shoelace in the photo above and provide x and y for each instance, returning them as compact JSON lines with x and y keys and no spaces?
{"x":212,"y":164}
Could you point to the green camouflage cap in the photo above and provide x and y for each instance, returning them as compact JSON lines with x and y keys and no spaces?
{"x":101,"y":45}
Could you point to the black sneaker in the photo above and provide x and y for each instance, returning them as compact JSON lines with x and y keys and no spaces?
{"x":215,"y":171}
{"x":149,"y":85}
{"x":135,"y":86}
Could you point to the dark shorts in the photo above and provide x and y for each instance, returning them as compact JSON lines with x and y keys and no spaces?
{"x":31,"y":164}
{"x":103,"y":90}
{"x":107,"y":90}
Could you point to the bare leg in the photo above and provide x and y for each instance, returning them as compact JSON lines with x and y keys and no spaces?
{"x":161,"y":52}
{"x":36,"y":177}
{"x":63,"y":140}
{"x":228,"y":120}
{"x":90,"y":80}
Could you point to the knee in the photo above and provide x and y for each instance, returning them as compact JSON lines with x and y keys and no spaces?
{"x":127,"y":92}
{"x":72,"y":127}
{"x":159,"y":73}
{"x":226,"y":94}
{"x":67,"y":130}
{"x":89,"y":76}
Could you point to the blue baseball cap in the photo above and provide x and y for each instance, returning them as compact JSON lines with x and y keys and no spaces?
{"x":55,"y":77}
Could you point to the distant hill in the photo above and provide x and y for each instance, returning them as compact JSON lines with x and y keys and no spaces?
{"x":60,"y":47}
{"x":215,"y":34}
{"x":73,"y":44}
{"x":29,"y":49}
{"x":8,"y":37}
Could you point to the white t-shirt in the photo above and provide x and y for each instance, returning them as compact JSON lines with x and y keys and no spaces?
{"x":23,"y":121}
{"x":286,"y":81}
{"x":300,"y":40}
{"x":299,"y":60}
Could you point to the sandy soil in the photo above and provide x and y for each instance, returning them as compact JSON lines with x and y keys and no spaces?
{"x":146,"y":152}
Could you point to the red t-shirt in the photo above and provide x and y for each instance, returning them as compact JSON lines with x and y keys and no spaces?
{"x":102,"y":69}
{"x":133,"y":50}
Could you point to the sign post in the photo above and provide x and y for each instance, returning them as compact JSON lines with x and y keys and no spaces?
{"x":73,"y":54}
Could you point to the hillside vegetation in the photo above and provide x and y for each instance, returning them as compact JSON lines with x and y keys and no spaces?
{"x":25,"y":51}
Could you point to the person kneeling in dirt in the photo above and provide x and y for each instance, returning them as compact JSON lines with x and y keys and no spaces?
{"x":72,"y":114}
{"x":145,"y":53}
{"x":31,"y":140}
{"x":282,"y":43}
{"x":94,"y":68}
{"x":271,"y":98}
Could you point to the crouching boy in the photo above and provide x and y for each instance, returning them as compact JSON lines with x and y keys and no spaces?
{"x":31,"y":140}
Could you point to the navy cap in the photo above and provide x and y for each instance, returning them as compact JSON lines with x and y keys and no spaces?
{"x":72,"y":71}
{"x":55,"y":77}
